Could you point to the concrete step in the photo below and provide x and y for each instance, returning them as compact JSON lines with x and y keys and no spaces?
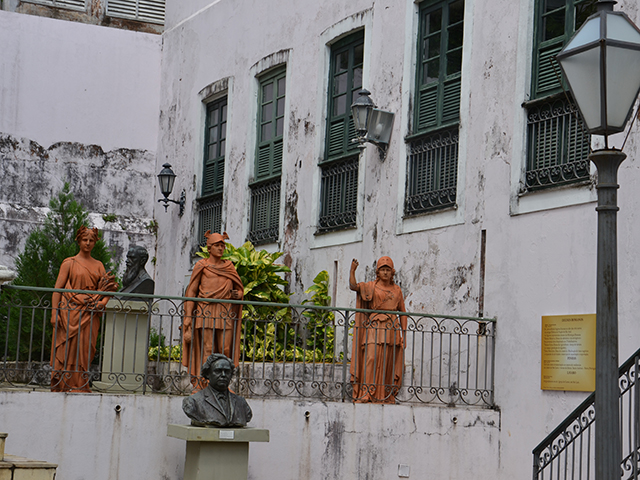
{"x":13,"y":467}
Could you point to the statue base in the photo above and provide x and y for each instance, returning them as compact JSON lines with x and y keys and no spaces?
{"x":217,"y":453}
{"x":125,"y":352}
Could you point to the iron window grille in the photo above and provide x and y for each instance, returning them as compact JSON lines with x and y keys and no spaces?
{"x":432,"y":172}
{"x":209,"y":216}
{"x":558,"y":145}
{"x":151,"y":11}
{"x":265,"y":212}
{"x":339,"y":195}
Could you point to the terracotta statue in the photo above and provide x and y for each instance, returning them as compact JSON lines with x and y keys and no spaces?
{"x":377,"y":356}
{"x":76,"y":316}
{"x":136,"y":279}
{"x":215,"y":405}
{"x":212,"y":327}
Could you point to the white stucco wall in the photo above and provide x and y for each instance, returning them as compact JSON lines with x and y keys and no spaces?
{"x":78,"y":103}
{"x":85,"y":436}
{"x":540,"y":248}
{"x":70,"y":82}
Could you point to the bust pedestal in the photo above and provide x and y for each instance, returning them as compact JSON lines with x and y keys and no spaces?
{"x":124,"y":359}
{"x":217,"y":453}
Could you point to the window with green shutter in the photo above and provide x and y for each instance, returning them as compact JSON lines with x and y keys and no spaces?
{"x":432,"y":158}
{"x":439,"y":64}
{"x":557,"y":142}
{"x":339,"y":177}
{"x":210,"y":200}
{"x":265,"y":190}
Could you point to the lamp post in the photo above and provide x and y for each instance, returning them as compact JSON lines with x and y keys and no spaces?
{"x":600,"y":63}
{"x":166,"y":179}
{"x":371,"y":124}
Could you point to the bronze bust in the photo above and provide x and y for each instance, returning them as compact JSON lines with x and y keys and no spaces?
{"x":215,"y":405}
{"x":136,"y":279}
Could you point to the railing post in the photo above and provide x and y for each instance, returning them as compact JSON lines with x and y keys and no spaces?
{"x":345,"y":349}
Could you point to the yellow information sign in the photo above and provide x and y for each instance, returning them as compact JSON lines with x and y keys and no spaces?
{"x":569,"y":352}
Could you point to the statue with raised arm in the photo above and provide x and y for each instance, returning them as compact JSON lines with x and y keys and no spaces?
{"x":212,"y":327}
{"x":76,"y":316}
{"x":215,"y":405}
{"x":377,"y":356}
{"x":136,"y":279}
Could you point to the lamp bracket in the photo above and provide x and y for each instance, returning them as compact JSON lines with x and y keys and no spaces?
{"x":181,"y":202}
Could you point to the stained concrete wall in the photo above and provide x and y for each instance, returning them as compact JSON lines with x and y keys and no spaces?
{"x":85,"y":436}
{"x":540,"y":257}
{"x":78,"y":103}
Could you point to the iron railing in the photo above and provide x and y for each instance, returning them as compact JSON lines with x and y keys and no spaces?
{"x":285,"y":350}
{"x":558,"y":145}
{"x":568,"y":452}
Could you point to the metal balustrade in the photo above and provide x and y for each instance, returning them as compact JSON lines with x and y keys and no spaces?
{"x":568,"y":452}
{"x":286,"y":351}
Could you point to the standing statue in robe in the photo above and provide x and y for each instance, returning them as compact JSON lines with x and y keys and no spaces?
{"x":210,"y":327}
{"x":377,"y":355}
{"x":76,"y":316}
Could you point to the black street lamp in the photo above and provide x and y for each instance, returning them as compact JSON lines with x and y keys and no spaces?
{"x":371,"y":124}
{"x":600,"y":63}
{"x":166,"y":179}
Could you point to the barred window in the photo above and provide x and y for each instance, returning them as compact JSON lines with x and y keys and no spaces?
{"x":557,"y":142}
{"x":558,"y":145}
{"x":432,"y":158}
{"x":339,"y":195}
{"x":210,"y":201}
{"x":151,"y":11}
{"x":339,"y":176}
{"x":432,"y":170}
{"x":265,"y":212}
{"x":265,"y":191}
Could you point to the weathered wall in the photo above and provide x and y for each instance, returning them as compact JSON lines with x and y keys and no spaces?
{"x":84,"y":435}
{"x":78,"y":103}
{"x":537,"y":263}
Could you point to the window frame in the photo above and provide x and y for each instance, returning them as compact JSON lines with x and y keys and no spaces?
{"x":341,"y":155}
{"x":265,"y":188}
{"x":447,"y":87}
{"x":210,"y":201}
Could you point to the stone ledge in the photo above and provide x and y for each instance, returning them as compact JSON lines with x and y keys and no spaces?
{"x":212,"y":434}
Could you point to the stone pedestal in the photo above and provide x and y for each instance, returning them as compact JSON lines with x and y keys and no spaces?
{"x":124,"y":359}
{"x":217,"y":453}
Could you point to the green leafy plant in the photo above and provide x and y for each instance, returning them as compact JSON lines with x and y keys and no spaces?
{"x":320,"y":328}
{"x":38,"y":265}
{"x":159,"y":351}
{"x":109,"y":217}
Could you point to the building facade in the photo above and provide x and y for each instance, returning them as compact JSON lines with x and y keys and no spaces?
{"x":485,"y":199}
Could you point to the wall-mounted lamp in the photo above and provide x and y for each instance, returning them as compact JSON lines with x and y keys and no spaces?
{"x":166,"y":179}
{"x":372,"y":125}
